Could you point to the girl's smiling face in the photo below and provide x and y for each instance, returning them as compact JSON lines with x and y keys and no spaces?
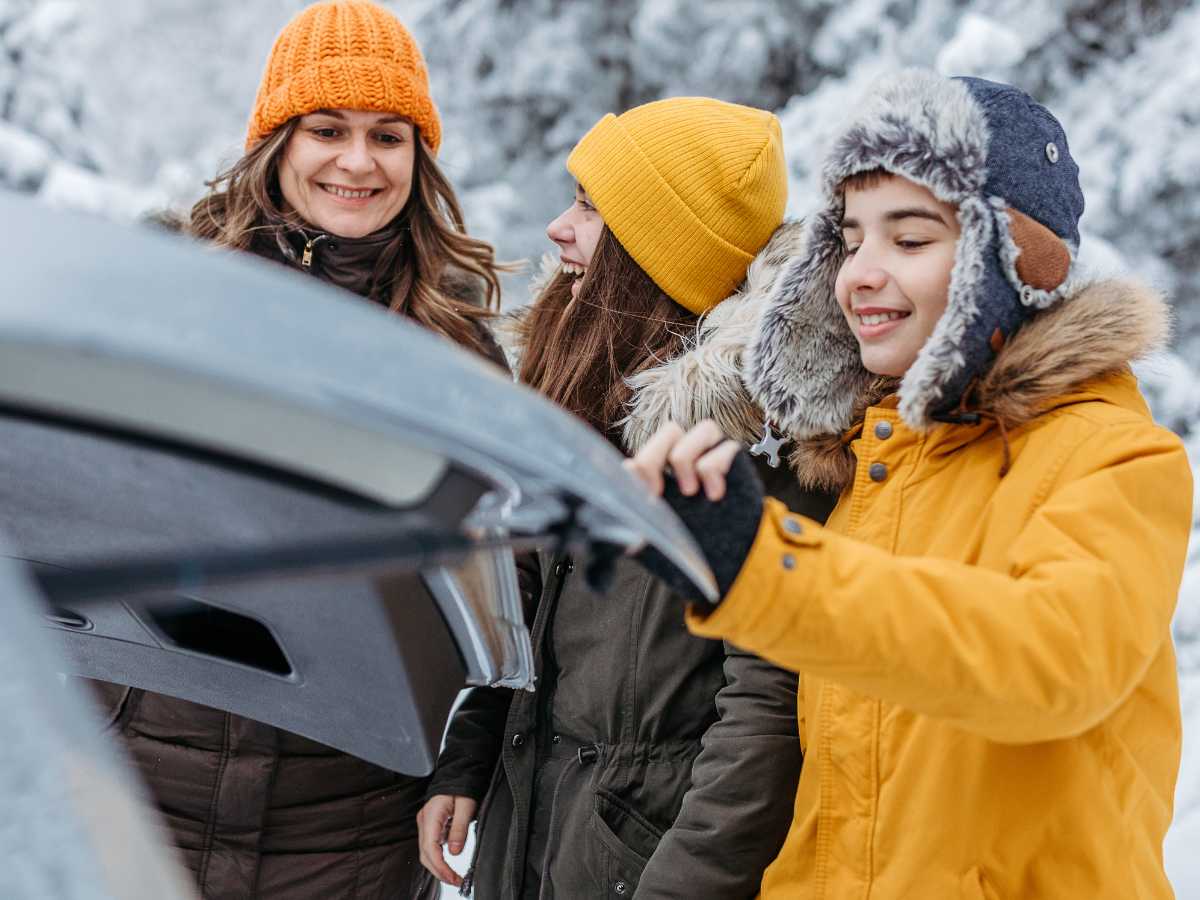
{"x":894,"y":281}
{"x":577,"y":231}
{"x":348,"y":172}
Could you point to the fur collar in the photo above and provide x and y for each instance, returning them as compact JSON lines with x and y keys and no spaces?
{"x":1096,"y":332}
{"x":705,"y":381}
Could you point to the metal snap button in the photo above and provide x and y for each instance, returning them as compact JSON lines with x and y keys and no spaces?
{"x":518,"y":740}
{"x":557,"y":739}
{"x":883,"y":430}
{"x":789,"y":561}
{"x":793,"y":526}
{"x":1027,"y":294}
{"x":878,"y":471}
{"x":621,"y":888}
{"x":1052,"y":152}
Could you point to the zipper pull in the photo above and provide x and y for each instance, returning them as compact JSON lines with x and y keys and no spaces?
{"x":310,"y":246}
{"x":769,"y":445}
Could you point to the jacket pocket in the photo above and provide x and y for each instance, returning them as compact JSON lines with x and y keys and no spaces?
{"x":975,"y":886}
{"x":627,"y":838}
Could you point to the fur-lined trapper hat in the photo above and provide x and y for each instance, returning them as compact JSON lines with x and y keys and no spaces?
{"x":1003,"y":160}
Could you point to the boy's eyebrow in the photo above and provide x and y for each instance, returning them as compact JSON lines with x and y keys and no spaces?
{"x":896,"y":215}
{"x":914,"y":212}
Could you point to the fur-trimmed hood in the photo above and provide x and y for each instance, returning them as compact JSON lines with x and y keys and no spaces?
{"x":1097,"y":332}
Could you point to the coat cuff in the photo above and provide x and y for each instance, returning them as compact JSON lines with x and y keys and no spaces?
{"x":782,"y":549}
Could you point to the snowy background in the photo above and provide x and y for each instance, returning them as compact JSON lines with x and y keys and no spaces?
{"x":125,"y":106}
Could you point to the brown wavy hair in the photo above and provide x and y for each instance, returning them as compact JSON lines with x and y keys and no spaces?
{"x":244,"y":205}
{"x":579,"y":352}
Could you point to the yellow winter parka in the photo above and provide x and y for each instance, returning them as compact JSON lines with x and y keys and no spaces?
{"x":988,"y":698}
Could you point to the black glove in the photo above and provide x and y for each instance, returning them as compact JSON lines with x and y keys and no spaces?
{"x":725,"y":530}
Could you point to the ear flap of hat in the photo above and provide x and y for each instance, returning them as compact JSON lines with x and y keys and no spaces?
{"x":803,"y":366}
{"x":1044,"y":261}
{"x":1036,"y":261}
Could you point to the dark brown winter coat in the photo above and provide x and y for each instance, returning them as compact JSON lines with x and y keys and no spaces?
{"x":258,"y":812}
{"x":649,"y":763}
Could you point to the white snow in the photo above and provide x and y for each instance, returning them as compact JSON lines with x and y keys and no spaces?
{"x":24,"y":158}
{"x":980,"y":47}
{"x":1181,"y":851}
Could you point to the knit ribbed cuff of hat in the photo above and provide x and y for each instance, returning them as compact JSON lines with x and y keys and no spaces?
{"x":694,"y":266}
{"x":341,"y":83}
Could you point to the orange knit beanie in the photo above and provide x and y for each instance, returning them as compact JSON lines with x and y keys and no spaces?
{"x":344,"y":54}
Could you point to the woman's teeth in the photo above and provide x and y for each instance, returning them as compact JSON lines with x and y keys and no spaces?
{"x":880,"y":318}
{"x":348,"y":195}
{"x":572,"y":269}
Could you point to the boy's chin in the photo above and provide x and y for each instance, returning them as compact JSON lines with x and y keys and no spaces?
{"x":886,"y":364}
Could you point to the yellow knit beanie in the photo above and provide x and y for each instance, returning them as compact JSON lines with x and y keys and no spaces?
{"x":344,"y":54}
{"x":692,"y":187}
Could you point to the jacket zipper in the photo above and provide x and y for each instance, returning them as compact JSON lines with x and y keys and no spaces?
{"x":306,"y":257}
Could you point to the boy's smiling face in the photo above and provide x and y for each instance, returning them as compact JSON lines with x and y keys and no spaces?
{"x":894,"y":282}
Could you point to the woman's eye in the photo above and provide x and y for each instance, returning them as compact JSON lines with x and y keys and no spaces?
{"x":911,"y":244}
{"x":585,"y":206}
{"x":325,"y":132}
{"x":389,"y":138}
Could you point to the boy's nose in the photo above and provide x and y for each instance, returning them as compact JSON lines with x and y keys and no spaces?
{"x":861,"y":273}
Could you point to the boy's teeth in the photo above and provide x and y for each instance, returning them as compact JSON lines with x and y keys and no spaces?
{"x":349,"y":195}
{"x":880,"y":318}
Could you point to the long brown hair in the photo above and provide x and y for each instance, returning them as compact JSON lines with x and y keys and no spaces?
{"x":244,"y":204}
{"x":578,"y":352}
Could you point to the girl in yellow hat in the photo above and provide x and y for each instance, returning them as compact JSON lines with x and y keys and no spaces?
{"x":648,"y":762}
{"x":340,"y":181}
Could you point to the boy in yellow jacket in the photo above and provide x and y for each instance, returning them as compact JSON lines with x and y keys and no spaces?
{"x":988,"y":698}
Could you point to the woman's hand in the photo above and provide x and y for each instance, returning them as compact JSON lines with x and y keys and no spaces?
{"x":700,"y":457}
{"x":443,"y":821}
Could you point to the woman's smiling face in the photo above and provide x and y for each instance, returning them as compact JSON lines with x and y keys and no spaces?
{"x":577,"y":231}
{"x":348,"y":172}
{"x":895,"y":280}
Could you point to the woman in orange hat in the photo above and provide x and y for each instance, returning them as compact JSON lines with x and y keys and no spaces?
{"x":339,"y":181}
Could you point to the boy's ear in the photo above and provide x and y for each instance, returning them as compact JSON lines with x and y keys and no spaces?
{"x":1045,"y":261}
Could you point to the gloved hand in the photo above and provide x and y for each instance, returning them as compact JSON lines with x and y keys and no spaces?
{"x":725,"y":529}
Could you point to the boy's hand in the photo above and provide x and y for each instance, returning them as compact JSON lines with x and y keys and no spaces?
{"x":700,"y":457}
{"x":443,"y":821}
{"x":723,"y":519}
